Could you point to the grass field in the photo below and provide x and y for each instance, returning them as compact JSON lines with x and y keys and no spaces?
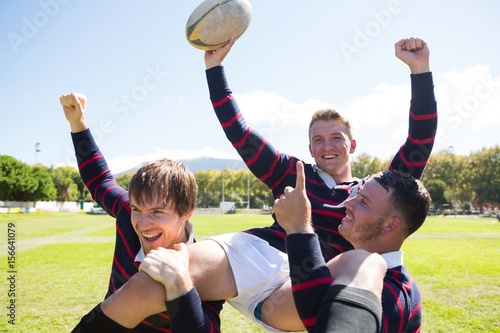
{"x":62,"y":265}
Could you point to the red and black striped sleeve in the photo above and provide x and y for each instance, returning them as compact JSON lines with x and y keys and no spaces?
{"x":309,"y":275}
{"x":401,"y":302}
{"x":114,"y":199}
{"x":260,"y":156}
{"x":414,"y":154}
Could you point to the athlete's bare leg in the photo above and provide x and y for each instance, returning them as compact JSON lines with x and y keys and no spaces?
{"x":356,"y":268}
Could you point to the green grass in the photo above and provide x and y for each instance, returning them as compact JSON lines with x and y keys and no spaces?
{"x":63,"y":263}
{"x":456,"y":263}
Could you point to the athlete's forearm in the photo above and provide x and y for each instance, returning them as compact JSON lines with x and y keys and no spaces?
{"x":139,"y":298}
{"x":309,"y":274}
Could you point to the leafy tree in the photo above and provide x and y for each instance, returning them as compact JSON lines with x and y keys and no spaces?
{"x":441,"y":166}
{"x":63,"y":178}
{"x":460,"y":191}
{"x":235,"y":188}
{"x":16,"y":180}
{"x":82,"y":191}
{"x":124,"y":179}
{"x":46,"y":189}
{"x":485,"y":170}
{"x":238,"y":183}
{"x":436,"y":189}
{"x":209,"y":188}
{"x":260,"y":195}
{"x":364,"y":165}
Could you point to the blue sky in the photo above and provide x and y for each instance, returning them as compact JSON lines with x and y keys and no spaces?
{"x":146,"y":86}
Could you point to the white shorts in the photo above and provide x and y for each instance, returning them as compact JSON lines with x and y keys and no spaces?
{"x":258,"y":270}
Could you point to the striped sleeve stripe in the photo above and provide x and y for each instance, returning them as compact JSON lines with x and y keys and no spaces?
{"x":257,"y":154}
{"x":398,"y":303}
{"x":311,"y":284}
{"x":222,"y":101}
{"x":87,"y":162}
{"x":89,"y":183}
{"x":120,"y":269}
{"x":338,"y":248}
{"x":308,"y":322}
{"x":279,"y":234}
{"x":214,"y":327}
{"x":408,"y":163}
{"x":423,"y":116}
{"x":328,"y":213}
{"x":409,"y":285}
{"x":164,"y":315}
{"x":385,"y":322}
{"x":329,"y":230}
{"x":106,"y":191}
{"x":209,"y":306}
{"x":231,"y":121}
{"x":271,"y":170}
{"x":243,"y":139}
{"x":420,"y":141}
{"x":322,"y":200}
{"x":127,"y":206}
{"x":417,"y":309}
{"x":125,"y":243}
{"x":166,"y":330}
{"x":118,"y":200}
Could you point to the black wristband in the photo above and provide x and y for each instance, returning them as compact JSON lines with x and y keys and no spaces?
{"x":97,"y":322}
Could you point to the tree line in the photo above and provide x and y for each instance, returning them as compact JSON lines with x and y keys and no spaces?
{"x":455,"y":181}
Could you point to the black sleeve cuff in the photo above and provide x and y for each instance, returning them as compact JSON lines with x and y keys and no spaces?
{"x":422,"y":88}
{"x":186,"y":313}
{"x":84,"y":144}
{"x":304,"y":247}
{"x":97,"y":322}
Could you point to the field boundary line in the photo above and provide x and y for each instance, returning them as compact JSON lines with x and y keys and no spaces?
{"x":75,"y":236}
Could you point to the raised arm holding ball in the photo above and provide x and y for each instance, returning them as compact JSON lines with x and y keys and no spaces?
{"x":329,"y":181}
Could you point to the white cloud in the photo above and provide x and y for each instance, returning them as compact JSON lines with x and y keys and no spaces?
{"x":469,"y":108}
{"x":277,"y":111}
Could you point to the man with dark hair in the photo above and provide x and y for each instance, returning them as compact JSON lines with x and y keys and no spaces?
{"x":388,"y":208}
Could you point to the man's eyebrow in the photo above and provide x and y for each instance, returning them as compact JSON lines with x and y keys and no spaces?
{"x":159,"y":207}
{"x":363,"y":196}
{"x":329,"y":134}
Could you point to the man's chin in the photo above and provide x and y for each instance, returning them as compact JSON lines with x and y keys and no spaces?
{"x":343,"y":229}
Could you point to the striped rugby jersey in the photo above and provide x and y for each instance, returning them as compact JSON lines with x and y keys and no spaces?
{"x":277,"y":170}
{"x":114,"y":200}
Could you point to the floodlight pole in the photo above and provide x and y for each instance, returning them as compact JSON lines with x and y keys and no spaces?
{"x":248,"y":190}
{"x":37,"y":150}
{"x":451,"y":151}
{"x":223,"y":186}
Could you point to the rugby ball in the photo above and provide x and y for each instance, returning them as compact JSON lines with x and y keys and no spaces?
{"x":213,"y":22}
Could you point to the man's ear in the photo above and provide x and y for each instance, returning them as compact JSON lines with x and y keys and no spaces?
{"x":310,"y":151}
{"x":353,"y":146}
{"x":188,"y":215}
{"x":392,"y":224}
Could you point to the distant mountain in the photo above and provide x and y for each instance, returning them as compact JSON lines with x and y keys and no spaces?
{"x":204,"y":163}
{"x":210,"y":163}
